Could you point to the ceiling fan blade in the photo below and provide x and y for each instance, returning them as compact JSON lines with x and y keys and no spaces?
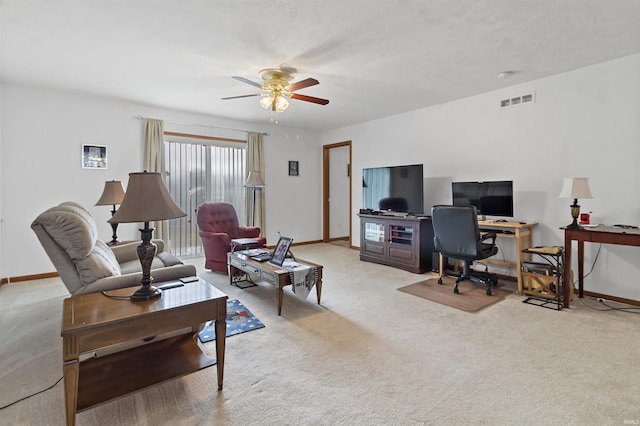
{"x":246,"y":80}
{"x":302,"y":84}
{"x":243,"y":96}
{"x":309,"y":99}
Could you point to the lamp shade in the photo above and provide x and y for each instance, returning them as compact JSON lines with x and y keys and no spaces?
{"x":254,"y":180}
{"x":112,"y":194}
{"x":147,"y":199}
{"x":576,"y":187}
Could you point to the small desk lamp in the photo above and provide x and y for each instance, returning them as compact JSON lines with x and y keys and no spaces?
{"x":575,"y":188}
{"x":254,"y":180}
{"x":147,"y":199}
{"x":112,"y":194}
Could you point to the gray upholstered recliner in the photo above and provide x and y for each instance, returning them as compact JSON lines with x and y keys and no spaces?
{"x":86,"y":264}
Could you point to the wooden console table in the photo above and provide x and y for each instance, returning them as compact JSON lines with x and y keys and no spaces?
{"x":598,"y":234}
{"x":94,"y":321}
{"x":272,"y":274}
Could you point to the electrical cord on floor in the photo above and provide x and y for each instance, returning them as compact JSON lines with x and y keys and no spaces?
{"x":29,"y":396}
{"x":593,"y":265}
{"x":590,"y":306}
{"x":50,"y":387}
{"x":633,"y":310}
{"x":607,"y":307}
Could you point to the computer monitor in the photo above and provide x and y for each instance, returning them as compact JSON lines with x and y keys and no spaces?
{"x":491,"y":198}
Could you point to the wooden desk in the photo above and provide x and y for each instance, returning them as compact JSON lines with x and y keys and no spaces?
{"x":598,"y":234}
{"x":270,"y":273}
{"x":94,"y":321}
{"x":521,"y":232}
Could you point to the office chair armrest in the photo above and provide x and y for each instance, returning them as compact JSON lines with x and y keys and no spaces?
{"x":486,"y":236}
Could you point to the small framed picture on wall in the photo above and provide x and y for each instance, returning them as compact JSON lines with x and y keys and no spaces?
{"x":293,"y":168}
{"x":94,"y":157}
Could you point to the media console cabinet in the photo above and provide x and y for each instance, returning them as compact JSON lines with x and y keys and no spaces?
{"x":400,"y":241}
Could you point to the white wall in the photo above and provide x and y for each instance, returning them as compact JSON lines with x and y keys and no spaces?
{"x":583,"y":123}
{"x":294,"y":203}
{"x":41,"y":137}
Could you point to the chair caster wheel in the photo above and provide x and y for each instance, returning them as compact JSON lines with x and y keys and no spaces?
{"x":488,"y":292}
{"x":440,"y":281}
{"x":455,"y":290}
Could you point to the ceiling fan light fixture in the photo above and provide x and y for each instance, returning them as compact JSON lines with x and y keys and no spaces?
{"x":266,"y":101}
{"x":277,"y":89}
{"x":281,"y":104}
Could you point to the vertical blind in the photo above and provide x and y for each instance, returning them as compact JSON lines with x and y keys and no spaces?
{"x":198,"y":173}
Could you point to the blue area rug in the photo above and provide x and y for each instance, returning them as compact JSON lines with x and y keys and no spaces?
{"x":239,"y":320}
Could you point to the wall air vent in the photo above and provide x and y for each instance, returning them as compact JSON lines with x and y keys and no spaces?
{"x":525,"y":99}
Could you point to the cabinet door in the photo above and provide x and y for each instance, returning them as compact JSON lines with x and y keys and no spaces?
{"x":373,"y":237}
{"x":402,"y":242}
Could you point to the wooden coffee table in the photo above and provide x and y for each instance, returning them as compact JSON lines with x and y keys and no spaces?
{"x":272,"y":274}
{"x":94,"y":321}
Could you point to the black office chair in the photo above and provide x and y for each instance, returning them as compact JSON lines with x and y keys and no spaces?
{"x":456,"y":235}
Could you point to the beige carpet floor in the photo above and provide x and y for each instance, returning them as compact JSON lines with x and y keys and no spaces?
{"x":369,"y":355}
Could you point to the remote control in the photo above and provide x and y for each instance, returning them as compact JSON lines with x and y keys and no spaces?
{"x":169,"y":285}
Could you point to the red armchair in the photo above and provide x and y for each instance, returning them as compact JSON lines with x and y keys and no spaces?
{"x":218,"y":224}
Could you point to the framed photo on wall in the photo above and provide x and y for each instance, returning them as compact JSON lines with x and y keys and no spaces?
{"x":293,"y":168}
{"x":94,"y":157}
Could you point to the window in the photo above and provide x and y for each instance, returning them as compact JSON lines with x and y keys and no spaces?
{"x":202,"y":170}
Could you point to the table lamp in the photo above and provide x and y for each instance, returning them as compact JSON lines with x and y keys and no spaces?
{"x":254,"y":180}
{"x":147,"y":199}
{"x":576,"y":187}
{"x":112,"y":194}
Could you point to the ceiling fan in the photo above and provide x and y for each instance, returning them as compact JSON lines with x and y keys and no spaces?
{"x":276,"y":90}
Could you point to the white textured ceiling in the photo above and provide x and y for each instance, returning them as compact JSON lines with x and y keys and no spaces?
{"x":372,"y":58}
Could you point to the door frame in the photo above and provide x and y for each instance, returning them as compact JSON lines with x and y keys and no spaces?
{"x":326,"y":189}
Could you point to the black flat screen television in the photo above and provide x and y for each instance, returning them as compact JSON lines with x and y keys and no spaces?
{"x":491,"y":198}
{"x":396,"y":188}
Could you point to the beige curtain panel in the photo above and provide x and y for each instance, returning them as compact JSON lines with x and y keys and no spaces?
{"x":255,"y":161}
{"x":153,"y":161}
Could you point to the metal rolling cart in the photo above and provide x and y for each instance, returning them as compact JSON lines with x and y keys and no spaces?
{"x":543,"y":281}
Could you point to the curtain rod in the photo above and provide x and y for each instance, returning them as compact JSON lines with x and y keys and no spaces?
{"x":139,"y":117}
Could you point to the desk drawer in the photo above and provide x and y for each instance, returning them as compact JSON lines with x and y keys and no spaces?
{"x":268,"y":277}
{"x":250,"y":269}
{"x":235,"y":262}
